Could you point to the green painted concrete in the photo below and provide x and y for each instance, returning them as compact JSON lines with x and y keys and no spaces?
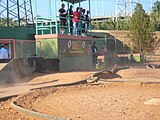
{"x":17,"y":33}
{"x":75,"y":63}
{"x":49,"y":48}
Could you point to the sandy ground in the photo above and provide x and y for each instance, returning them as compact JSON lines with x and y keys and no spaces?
{"x":104,"y":101}
{"x":96,"y":102}
{"x":43,"y":80}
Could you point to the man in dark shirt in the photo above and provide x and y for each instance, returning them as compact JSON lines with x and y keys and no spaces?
{"x":70,"y":13}
{"x":62,"y":15}
{"x":94,"y":54}
{"x":87,"y":21}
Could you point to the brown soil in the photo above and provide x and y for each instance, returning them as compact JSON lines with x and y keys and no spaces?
{"x":107,"y":101}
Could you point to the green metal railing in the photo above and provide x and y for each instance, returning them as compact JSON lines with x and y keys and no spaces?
{"x":48,"y":25}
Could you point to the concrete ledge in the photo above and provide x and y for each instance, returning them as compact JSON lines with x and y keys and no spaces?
{"x":7,"y":97}
{"x":33,"y":113}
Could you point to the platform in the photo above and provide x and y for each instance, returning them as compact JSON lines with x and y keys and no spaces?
{"x":74,"y":52}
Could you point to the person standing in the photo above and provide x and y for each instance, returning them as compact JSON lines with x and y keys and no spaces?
{"x":75,"y":21}
{"x":94,"y":54}
{"x":83,"y":22}
{"x":87,"y":21}
{"x":80,"y":21}
{"x":62,"y":15}
{"x":70,"y":13}
{"x":104,"y":54}
{"x":4,"y":54}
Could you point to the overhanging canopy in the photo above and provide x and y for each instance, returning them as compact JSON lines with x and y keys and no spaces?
{"x":74,"y":1}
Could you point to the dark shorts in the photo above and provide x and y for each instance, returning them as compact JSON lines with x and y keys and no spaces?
{"x":63,"y":23}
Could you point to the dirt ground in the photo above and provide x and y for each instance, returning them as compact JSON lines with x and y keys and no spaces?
{"x":108,"y":100}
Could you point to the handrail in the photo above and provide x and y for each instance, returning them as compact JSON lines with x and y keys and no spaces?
{"x":45,"y":23}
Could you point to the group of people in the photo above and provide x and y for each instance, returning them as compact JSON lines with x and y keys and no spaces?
{"x":95,"y":54}
{"x":78,"y":20}
{"x":4,"y":54}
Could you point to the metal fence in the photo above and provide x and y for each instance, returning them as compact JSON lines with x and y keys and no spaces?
{"x":22,"y":48}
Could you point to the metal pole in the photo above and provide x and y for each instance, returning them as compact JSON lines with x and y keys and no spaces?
{"x":36,"y":18}
{"x":106,"y":41}
{"x":25,"y":12}
{"x":96,"y":8}
{"x":31,"y":12}
{"x":68,"y":18}
{"x":55,"y":16}
{"x":151,"y":7}
{"x":7,"y":13}
{"x":115,"y":45}
{"x":50,"y":8}
{"x":14,"y":48}
{"x":19,"y":22}
{"x":103,"y":8}
{"x":90,"y":7}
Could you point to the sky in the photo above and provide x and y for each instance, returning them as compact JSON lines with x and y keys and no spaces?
{"x":98,"y":7}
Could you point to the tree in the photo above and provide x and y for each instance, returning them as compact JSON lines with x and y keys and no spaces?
{"x":12,"y":23}
{"x":141,"y":32}
{"x":98,"y":26}
{"x":155,"y":16}
{"x":156,"y":7}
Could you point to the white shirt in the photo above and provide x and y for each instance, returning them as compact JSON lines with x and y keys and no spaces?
{"x":3,"y":53}
{"x":95,"y":50}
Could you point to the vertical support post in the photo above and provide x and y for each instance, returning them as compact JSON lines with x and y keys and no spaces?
{"x":14,"y":48}
{"x":19,"y":22}
{"x":36,"y":23}
{"x":89,"y":14}
{"x":106,"y":41}
{"x":115,"y":45}
{"x":55,"y":16}
{"x":25,"y":13}
{"x":90,"y":7}
{"x":68,"y":18}
{"x":151,"y":7}
{"x":7,"y":13}
{"x":36,"y":19}
{"x":31,"y":11}
{"x":79,"y":25}
{"x":50,"y":8}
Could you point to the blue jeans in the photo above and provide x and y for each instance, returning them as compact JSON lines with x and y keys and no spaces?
{"x":75,"y":28}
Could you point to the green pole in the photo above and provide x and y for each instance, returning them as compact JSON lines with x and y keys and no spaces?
{"x":90,"y":7}
{"x":36,"y":16}
{"x":50,"y":8}
{"x":68,"y":18}
{"x":55,"y":16}
{"x":36,"y":24}
{"x":90,"y":16}
{"x":80,"y":27}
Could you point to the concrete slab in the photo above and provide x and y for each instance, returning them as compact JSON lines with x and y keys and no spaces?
{"x":2,"y":65}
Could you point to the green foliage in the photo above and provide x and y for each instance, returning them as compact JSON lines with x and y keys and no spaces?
{"x":98,"y":26}
{"x":3,"y":22}
{"x":108,"y":24}
{"x":141,"y":31}
{"x":111,"y":24}
{"x":155,"y":16}
{"x":156,"y":7}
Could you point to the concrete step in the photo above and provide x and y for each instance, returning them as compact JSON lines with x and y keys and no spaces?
{"x":2,"y":65}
